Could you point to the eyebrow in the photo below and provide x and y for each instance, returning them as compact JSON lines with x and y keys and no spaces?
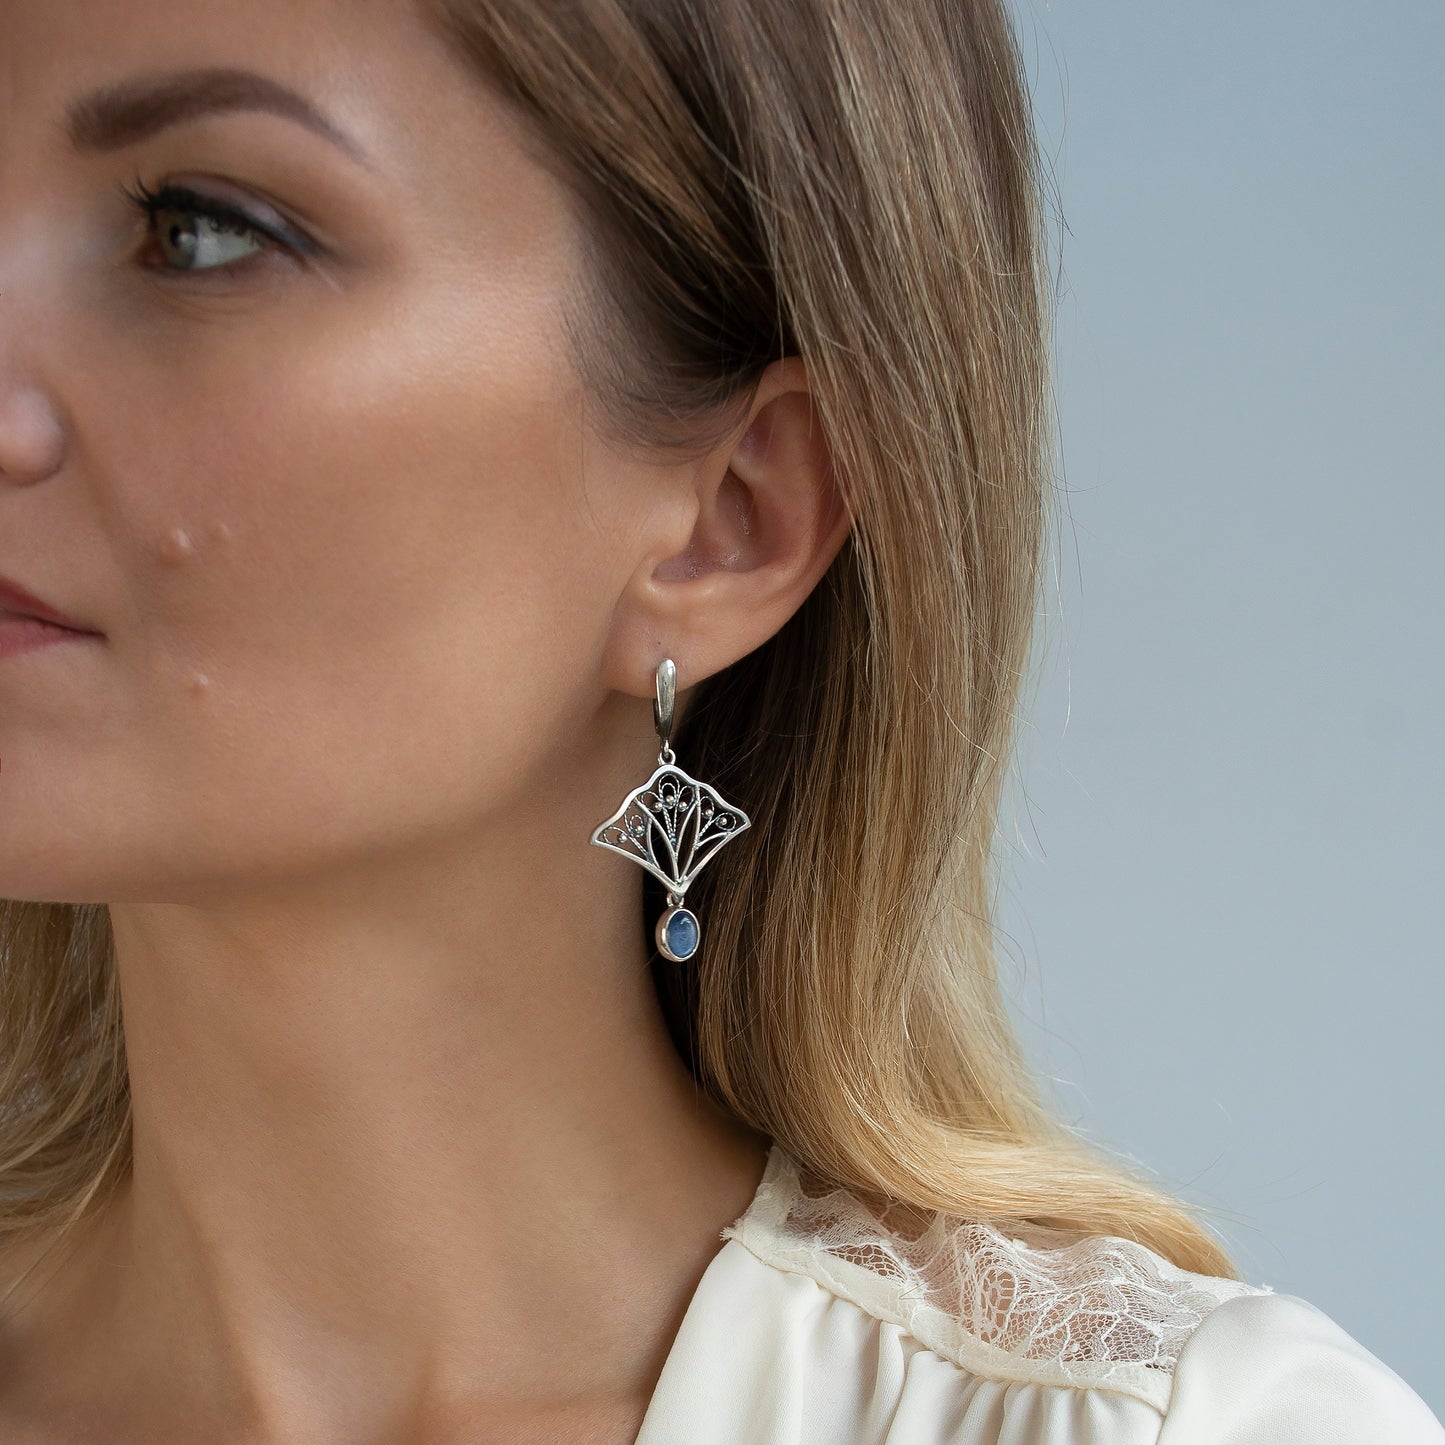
{"x":131,"y":111}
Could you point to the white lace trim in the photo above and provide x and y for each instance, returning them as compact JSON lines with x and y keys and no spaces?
{"x":1030,"y":1304}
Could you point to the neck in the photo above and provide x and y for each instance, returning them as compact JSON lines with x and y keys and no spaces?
{"x":418,"y":1137}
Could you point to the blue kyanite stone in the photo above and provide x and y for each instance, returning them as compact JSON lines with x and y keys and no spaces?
{"x":682,"y":933}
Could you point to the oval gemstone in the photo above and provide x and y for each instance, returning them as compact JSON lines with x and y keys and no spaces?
{"x":682,"y":933}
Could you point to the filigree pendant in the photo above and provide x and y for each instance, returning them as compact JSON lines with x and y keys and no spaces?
{"x":672,"y":825}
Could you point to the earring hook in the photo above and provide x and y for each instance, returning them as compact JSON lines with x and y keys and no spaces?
{"x":662,"y":706}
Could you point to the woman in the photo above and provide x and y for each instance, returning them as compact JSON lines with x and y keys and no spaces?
{"x":457,"y":440}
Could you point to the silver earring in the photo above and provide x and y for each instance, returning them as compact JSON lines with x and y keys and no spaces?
{"x":672,"y":825}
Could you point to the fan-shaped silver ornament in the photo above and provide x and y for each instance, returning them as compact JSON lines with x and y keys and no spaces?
{"x":672,"y":825}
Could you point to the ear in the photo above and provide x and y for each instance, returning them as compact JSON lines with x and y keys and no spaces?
{"x":769,"y":520}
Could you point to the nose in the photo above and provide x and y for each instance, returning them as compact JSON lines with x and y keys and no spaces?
{"x":32,"y":429}
{"x":30,"y":433}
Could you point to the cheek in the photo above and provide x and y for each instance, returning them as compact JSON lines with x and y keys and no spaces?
{"x":368,"y":593}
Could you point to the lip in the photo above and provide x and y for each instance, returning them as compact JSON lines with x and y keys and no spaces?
{"x":28,"y":634}
{"x":16,"y":601}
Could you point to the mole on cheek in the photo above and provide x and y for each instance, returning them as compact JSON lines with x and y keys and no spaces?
{"x":179,"y":545}
{"x":176,"y":546}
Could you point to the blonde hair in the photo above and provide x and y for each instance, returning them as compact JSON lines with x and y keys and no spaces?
{"x":858,"y":183}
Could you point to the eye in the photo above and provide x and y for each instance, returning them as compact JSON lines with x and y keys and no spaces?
{"x":203,"y":233}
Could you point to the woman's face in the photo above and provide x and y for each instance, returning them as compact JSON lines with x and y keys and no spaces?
{"x":327,"y":495}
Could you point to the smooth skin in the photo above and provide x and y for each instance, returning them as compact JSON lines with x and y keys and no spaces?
{"x":379,"y":611}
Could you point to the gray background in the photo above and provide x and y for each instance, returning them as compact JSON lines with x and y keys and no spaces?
{"x":1222,"y":862}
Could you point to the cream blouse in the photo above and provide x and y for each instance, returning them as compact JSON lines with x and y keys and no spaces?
{"x":824,"y":1321}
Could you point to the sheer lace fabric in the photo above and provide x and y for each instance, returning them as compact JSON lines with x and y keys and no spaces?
{"x":1030,"y":1304}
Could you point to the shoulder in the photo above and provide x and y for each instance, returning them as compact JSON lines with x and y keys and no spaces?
{"x":1274,"y":1367}
{"x":1095,"y":1339}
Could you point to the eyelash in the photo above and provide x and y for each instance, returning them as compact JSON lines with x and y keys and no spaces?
{"x":181,"y":198}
